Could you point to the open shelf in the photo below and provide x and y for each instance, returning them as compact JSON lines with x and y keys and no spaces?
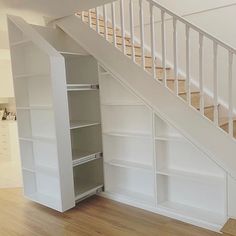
{"x":127,"y":119}
{"x":87,"y":177}
{"x":88,"y":190}
{"x":82,"y":87}
{"x":33,"y":93}
{"x":190,"y":175}
{"x":192,"y":194}
{"x":130,"y":184}
{"x":131,"y":135}
{"x":193,"y":213}
{"x":86,"y":142}
{"x":128,"y":150}
{"x":28,"y":58}
{"x":80,"y":157}
{"x":31,"y":76}
{"x":42,"y":188}
{"x":129,"y":164}
{"x":184,"y":156}
{"x":81,"y":69}
{"x":84,"y":106}
{"x":36,"y":123}
{"x":82,"y":124}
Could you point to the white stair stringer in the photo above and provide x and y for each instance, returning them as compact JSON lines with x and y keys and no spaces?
{"x":205,"y":135}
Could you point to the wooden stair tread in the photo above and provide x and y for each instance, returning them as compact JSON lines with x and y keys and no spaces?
{"x":230,"y":227}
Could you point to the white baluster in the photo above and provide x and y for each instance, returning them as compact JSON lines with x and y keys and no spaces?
{"x":188,"y":90}
{"x":105,"y":20}
{"x":230,"y":84}
{"x":215,"y":87}
{"x":113,"y":22}
{"x":132,"y":29}
{"x":175,"y":55}
{"x":163,"y":36}
{"x":152,"y":41}
{"x":97,"y":19}
{"x":142,"y":33}
{"x":82,"y":16}
{"x":201,"y":73}
{"x":122,"y":25}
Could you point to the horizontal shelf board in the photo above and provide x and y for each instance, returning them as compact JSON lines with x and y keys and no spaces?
{"x":170,"y":138}
{"x":51,"y":171}
{"x":123,"y":103}
{"x":35,"y":108}
{"x":130,"y":195}
{"x":88,"y":192}
{"x":84,"y":157}
{"x":129,"y":164}
{"x":24,"y":76}
{"x":82,"y":124}
{"x":67,"y":53}
{"x":21,"y":42}
{"x":131,"y":135}
{"x":193,"y":213}
{"x":38,"y":138}
{"x":82,"y":87}
{"x":45,"y":200}
{"x":191,"y":175}
{"x":86,"y":187}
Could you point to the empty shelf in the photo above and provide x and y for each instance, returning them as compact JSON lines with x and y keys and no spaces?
{"x":170,"y":138}
{"x":191,"y":175}
{"x":131,"y":135}
{"x":38,"y":138}
{"x":125,"y":194}
{"x":129,"y":164}
{"x":86,"y":191}
{"x":82,"y":87}
{"x":82,"y":124}
{"x":23,"y":76}
{"x":80,"y":157}
{"x":67,"y":53}
{"x":193,"y":213}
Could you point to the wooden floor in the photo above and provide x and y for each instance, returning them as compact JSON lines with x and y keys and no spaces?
{"x":94,"y":217}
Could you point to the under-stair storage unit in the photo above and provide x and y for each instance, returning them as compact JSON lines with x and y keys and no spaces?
{"x":58,"y":111}
{"x":149,"y":164}
{"x":127,"y":143}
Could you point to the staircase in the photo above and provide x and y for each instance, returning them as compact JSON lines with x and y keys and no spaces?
{"x":194,"y":96}
{"x":161,"y":83}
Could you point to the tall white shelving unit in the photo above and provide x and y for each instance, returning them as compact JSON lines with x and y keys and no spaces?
{"x":57,"y":99}
{"x":149,"y":164}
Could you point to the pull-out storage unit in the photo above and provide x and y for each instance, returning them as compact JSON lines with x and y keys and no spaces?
{"x":58,"y":111}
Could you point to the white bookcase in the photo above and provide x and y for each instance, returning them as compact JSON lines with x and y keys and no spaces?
{"x":58,"y":112}
{"x":149,"y":164}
